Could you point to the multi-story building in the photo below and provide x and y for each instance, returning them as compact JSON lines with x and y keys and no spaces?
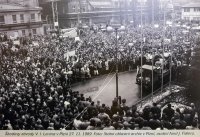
{"x":191,"y":12}
{"x":72,"y":13}
{"x":88,"y":12}
{"x":146,"y":11}
{"x":20,"y":18}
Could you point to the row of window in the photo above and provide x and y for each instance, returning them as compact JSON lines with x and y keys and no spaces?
{"x":14,"y":18}
{"x":194,"y":18}
{"x":83,"y":9}
{"x":188,"y":9}
{"x":25,"y":32}
{"x":34,"y":32}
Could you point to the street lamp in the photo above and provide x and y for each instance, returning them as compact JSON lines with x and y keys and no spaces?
{"x":116,"y":28}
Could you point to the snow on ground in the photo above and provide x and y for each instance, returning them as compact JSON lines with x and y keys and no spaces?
{"x":159,"y":96}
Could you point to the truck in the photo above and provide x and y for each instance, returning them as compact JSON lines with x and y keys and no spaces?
{"x":144,"y":76}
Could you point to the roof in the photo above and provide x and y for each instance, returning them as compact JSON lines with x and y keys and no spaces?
{"x":7,"y":7}
{"x":191,"y":5}
{"x":101,"y":3}
{"x":148,"y":67}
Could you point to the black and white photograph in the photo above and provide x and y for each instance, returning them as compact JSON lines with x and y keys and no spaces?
{"x":100,"y":65}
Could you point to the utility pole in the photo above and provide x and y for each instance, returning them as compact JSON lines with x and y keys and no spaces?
{"x":117,"y":92}
{"x":79,"y":12}
{"x":54,"y":8}
{"x":120,"y":8}
{"x":152,"y":82}
{"x":53,"y":13}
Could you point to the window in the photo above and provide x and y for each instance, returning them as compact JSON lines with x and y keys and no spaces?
{"x":196,"y":18}
{"x":74,"y":9}
{"x":22,"y":18}
{"x":2,"y":20}
{"x":196,"y":9}
{"x":34,"y":31}
{"x":83,"y":9}
{"x":39,"y":16}
{"x":32,"y":17}
{"x":187,"y":18}
{"x":14,"y":17}
{"x":186,"y":9}
{"x":23,"y":32}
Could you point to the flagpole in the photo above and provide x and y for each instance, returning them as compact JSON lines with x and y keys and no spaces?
{"x":152,"y":86}
{"x":141,"y":51}
{"x":171,"y":53}
{"x":162,"y":44}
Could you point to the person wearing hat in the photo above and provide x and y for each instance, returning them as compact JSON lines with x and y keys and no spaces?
{"x":117,"y":124}
{"x":92,"y":125}
{"x":156,"y":110}
{"x":108,"y":125}
{"x":124,"y":106}
{"x":126,"y":126}
{"x":38,"y":125}
{"x":7,"y":125}
{"x":99,"y":125}
{"x":169,"y":111}
{"x":154,"y":123}
{"x":102,"y":115}
{"x":51,"y":126}
{"x":144,"y":125}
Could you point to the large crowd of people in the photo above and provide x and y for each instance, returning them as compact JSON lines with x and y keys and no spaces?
{"x":36,"y":74}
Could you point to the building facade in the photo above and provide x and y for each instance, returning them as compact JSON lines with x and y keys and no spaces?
{"x":21,"y":19}
{"x":73,"y":13}
{"x":89,"y":12}
{"x":191,"y":12}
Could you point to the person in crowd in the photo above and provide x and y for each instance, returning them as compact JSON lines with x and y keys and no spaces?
{"x":37,"y":74}
{"x":92,"y":125}
{"x":156,"y":110}
{"x":108,"y":125}
{"x":169,"y":112}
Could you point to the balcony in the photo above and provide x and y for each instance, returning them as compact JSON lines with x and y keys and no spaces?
{"x":21,"y":24}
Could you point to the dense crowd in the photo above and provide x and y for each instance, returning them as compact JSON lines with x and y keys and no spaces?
{"x":36,"y":74}
{"x":122,"y":117}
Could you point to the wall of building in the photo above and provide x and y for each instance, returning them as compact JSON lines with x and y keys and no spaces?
{"x":190,"y":15}
{"x":22,"y":27}
{"x":27,"y":17}
{"x":30,"y":3}
{"x":21,"y":32}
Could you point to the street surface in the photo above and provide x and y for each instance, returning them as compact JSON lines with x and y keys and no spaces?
{"x":104,"y":88}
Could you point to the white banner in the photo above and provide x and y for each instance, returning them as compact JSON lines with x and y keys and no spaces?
{"x":72,"y":53}
{"x":16,"y":42}
{"x":69,"y":54}
{"x":77,"y":39}
{"x":35,"y":43}
{"x":71,"y":33}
